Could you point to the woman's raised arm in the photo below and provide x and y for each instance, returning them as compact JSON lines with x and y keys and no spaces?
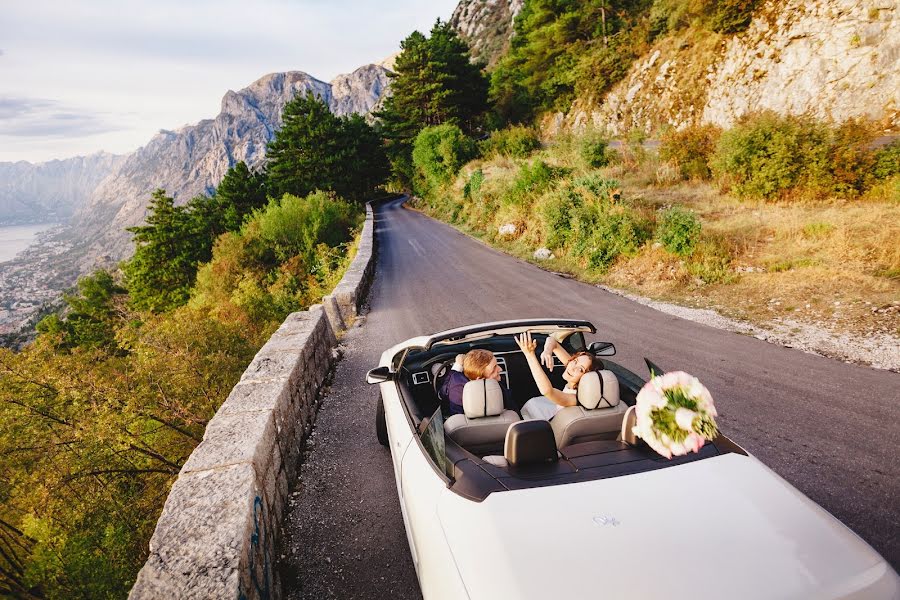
{"x":551,"y":347}
{"x":528,"y":346}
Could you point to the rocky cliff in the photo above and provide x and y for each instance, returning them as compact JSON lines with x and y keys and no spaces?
{"x":51,"y":191}
{"x":193,"y":160}
{"x":487,"y":25}
{"x":833,"y":59}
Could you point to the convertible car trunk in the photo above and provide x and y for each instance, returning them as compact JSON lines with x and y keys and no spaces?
{"x":723,"y":527}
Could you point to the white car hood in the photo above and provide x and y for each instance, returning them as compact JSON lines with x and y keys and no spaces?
{"x":723,"y":527}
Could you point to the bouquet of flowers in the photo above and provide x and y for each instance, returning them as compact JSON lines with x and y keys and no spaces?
{"x":675,"y":414}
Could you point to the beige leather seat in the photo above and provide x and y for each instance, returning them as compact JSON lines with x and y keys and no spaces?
{"x":628,"y":423}
{"x":598,"y":414}
{"x":482,"y":427}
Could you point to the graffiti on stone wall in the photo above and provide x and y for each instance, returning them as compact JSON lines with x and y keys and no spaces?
{"x":257,"y":545}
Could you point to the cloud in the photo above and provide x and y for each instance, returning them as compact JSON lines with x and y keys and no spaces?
{"x":39,"y":117}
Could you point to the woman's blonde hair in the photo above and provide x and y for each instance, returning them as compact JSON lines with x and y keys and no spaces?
{"x":475,"y":362}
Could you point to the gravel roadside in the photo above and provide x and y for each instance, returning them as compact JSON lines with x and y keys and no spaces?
{"x":343,"y":532}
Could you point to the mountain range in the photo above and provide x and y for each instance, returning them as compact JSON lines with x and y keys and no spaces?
{"x":51,"y":191}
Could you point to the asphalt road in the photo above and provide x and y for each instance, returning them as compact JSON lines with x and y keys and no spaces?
{"x":829,"y":428}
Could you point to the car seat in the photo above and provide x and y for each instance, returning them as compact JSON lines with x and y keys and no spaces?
{"x":482,"y":426}
{"x":598,"y":414}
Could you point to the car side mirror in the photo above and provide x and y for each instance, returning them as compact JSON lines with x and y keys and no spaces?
{"x":602,"y":349}
{"x":379,"y":375}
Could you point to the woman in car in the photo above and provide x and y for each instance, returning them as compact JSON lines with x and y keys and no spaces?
{"x":474,"y":364}
{"x":552,"y":400}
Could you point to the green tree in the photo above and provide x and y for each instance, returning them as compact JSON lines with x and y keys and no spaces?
{"x":241,"y":192}
{"x":90,"y":319}
{"x":167,"y":251}
{"x":316,"y":150}
{"x":561,"y":47}
{"x":307,"y":152}
{"x":438,"y":154}
{"x":434,"y":82}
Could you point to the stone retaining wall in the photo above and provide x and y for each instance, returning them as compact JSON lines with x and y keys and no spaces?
{"x":343,"y":303}
{"x":219,"y":529}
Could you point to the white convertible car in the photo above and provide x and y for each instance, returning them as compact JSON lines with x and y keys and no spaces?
{"x":496,"y":507}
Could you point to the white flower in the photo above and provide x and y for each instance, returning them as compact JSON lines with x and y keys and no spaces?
{"x":684,"y":417}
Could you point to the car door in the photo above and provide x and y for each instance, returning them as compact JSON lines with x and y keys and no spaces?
{"x":423,"y":483}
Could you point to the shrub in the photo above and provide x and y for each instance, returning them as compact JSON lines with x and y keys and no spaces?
{"x":732,"y":16}
{"x":473,"y":185}
{"x":690,"y":149}
{"x":438,"y":154}
{"x":516,"y":142}
{"x":766,"y":155}
{"x":595,"y":151}
{"x":599,"y":186}
{"x":887,"y":161}
{"x":678,"y":231}
{"x":532,"y":179}
{"x":850,"y":161}
{"x":603,"y":232}
{"x":556,"y":213}
{"x":295,"y":226}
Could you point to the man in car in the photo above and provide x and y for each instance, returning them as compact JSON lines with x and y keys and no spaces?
{"x":475,"y":364}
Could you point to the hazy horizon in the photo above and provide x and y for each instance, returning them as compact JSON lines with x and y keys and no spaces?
{"x":80,"y":78}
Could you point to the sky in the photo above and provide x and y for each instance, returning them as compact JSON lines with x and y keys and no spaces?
{"x":77,"y":77}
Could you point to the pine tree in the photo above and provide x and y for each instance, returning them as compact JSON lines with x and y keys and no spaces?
{"x":307,"y":153}
{"x":434,"y":82}
{"x":168,"y":249}
{"x":241,"y":192}
{"x":315,"y":150}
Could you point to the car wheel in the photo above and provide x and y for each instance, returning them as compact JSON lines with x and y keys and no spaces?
{"x":381,"y":424}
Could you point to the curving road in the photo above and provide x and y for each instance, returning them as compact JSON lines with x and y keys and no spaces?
{"x":829,"y":428}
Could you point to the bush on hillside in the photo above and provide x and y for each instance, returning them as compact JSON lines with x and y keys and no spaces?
{"x":595,"y":151}
{"x":690,"y":149}
{"x":515,"y":142}
{"x":679,"y":231}
{"x":602,"y":232}
{"x":438,"y":154}
{"x":767,"y":155}
{"x":887,"y":161}
{"x":732,"y":16}
{"x":531,"y":180}
{"x":473,"y":186}
{"x":282,"y":260}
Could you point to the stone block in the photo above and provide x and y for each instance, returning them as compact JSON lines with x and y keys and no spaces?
{"x":243,"y":438}
{"x":201,"y":537}
{"x":271,"y":365}
{"x":254,"y":396}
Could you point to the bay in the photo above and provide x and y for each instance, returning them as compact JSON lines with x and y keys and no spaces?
{"x":15,"y":238}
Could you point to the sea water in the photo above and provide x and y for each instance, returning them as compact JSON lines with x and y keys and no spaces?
{"x":15,"y":238}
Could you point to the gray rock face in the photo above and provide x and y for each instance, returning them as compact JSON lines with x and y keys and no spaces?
{"x":487,"y":25}
{"x":832,"y":59}
{"x":53,"y":190}
{"x":193,"y":160}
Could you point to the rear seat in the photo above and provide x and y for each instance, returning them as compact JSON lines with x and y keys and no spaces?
{"x":482,"y":427}
{"x":598,"y":414}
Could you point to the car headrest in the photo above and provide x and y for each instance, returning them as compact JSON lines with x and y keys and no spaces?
{"x":482,"y":398}
{"x":598,"y":389}
{"x":530,"y":443}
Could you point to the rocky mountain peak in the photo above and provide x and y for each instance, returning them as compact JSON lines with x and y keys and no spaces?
{"x":487,"y":25}
{"x":192,"y":160}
